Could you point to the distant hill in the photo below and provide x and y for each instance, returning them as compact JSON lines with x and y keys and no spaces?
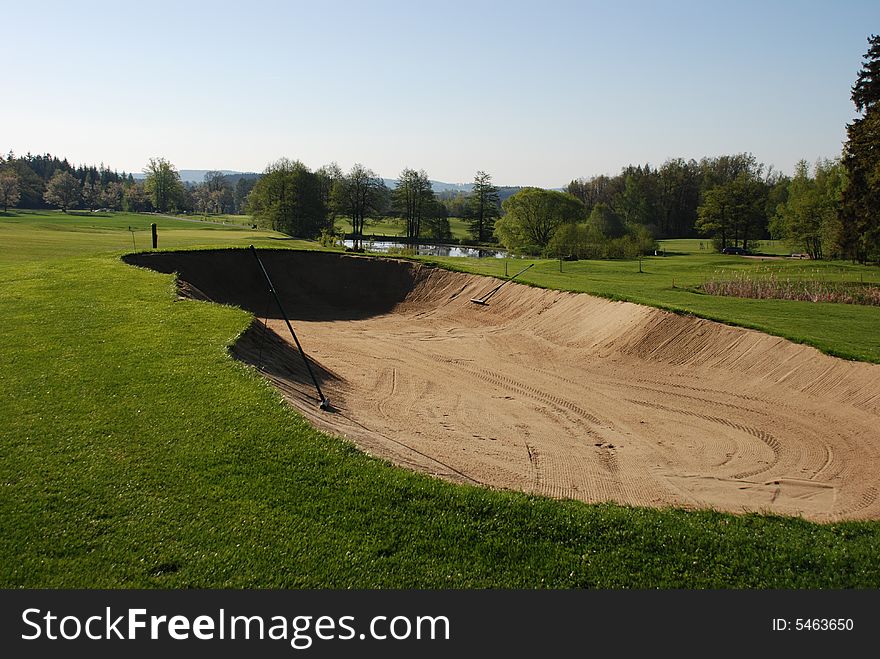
{"x":233,"y":177}
{"x":438,"y":186}
{"x":198,"y":176}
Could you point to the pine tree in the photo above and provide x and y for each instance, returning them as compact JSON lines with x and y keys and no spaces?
{"x":860,"y":211}
{"x":484,"y":207}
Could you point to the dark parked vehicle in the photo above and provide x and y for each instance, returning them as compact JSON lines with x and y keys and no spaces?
{"x":735,"y":250}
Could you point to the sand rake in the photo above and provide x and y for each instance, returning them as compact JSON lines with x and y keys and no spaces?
{"x":485,"y":299}
{"x":325,"y":404}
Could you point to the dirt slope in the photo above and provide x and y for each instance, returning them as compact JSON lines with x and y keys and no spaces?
{"x":557,"y":393}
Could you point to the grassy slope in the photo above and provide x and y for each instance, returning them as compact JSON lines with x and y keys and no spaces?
{"x":848,"y":331}
{"x":135,"y":452}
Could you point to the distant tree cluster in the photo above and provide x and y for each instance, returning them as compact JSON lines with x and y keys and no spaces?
{"x":291,"y":198}
{"x":829,"y":211}
{"x":677,"y":199}
{"x":220,"y":193}
{"x":809,"y":218}
{"x":48,"y":181}
{"x":414,"y":201}
{"x":556,"y":224}
{"x":480,"y":207}
{"x":287,"y":198}
{"x":26,"y":180}
{"x":360,"y":194}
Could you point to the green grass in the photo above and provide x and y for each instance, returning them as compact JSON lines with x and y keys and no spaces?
{"x":671,"y":282}
{"x":704,"y":246}
{"x":38,"y":235}
{"x":134,"y":452}
{"x":219,"y":218}
{"x":396,"y":228}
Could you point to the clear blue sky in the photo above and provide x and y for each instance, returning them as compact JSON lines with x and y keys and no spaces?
{"x":535,"y":93}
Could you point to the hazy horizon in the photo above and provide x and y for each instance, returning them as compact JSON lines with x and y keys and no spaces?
{"x":533,"y":94}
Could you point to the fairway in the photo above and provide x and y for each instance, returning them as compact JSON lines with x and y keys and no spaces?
{"x":554,"y":393}
{"x":42,"y":235}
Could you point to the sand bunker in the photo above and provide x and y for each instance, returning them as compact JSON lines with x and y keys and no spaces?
{"x":555,"y":393}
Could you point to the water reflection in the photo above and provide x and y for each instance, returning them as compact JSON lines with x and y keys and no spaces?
{"x":428,"y":249}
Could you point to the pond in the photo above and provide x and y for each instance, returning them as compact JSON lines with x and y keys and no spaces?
{"x":428,"y":249}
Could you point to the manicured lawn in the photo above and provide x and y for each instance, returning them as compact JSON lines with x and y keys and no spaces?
{"x":134,"y":452}
{"x":220,"y":218}
{"x":396,"y":227}
{"x":31,"y":235}
{"x":704,"y":246}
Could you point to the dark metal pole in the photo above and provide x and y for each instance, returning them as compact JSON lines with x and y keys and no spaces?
{"x":155,"y":235}
{"x":486,"y":297}
{"x":325,"y":404}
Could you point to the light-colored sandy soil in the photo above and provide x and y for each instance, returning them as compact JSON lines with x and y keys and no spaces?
{"x":568,"y":395}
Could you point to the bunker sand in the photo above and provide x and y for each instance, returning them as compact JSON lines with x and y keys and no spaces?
{"x":555,"y":393}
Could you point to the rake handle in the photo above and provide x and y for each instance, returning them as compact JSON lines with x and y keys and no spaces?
{"x":325,"y":404}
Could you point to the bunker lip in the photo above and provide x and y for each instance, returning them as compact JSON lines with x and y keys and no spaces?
{"x":555,"y":393}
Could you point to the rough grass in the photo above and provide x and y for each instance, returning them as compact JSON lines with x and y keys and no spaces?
{"x":135,"y":453}
{"x":804,"y":290}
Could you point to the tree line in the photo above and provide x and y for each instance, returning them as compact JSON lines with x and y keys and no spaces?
{"x":291,"y":198}
{"x":286,"y":197}
{"x":45,"y":181}
{"x":828,"y":210}
{"x":24,"y":181}
{"x":667,"y":199}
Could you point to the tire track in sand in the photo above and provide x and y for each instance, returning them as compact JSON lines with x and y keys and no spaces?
{"x":765,"y":437}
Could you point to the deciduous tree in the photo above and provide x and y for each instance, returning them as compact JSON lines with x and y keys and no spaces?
{"x":9,"y":189}
{"x":91,"y":194}
{"x":63,"y":190}
{"x":734,"y":213}
{"x":808,"y":219}
{"x":413,"y":199}
{"x":287,"y":198}
{"x":604,"y":222}
{"x":111,"y":196}
{"x":328,"y":175}
{"x":135,"y":199}
{"x":162,"y":184}
{"x":360,"y":194}
{"x":532,"y":216}
{"x":679,"y":197}
{"x":243,"y":188}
